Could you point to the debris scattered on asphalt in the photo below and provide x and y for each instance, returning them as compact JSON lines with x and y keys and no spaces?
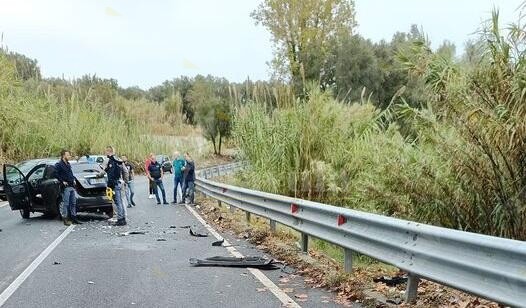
{"x":161,"y":240}
{"x":391,"y":281}
{"x":185,"y":227}
{"x":173,"y":227}
{"x":132,"y":232}
{"x":0,"y":230}
{"x":261,"y":289}
{"x":218,"y":243}
{"x":56,"y":263}
{"x":91,"y":282}
{"x":192,"y":233}
{"x":251,"y":262}
{"x":302,"y":296}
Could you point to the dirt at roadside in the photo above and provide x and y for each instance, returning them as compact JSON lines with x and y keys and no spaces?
{"x":321,"y":271}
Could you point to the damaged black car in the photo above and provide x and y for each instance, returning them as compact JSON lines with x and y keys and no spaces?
{"x":31,"y":186}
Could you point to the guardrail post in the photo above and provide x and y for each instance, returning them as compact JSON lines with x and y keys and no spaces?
{"x":247,"y":216}
{"x":232,"y":209}
{"x":304,"y":242}
{"x":272,"y":226}
{"x":219,"y":203}
{"x":412,"y":288}
{"x":347,"y":260}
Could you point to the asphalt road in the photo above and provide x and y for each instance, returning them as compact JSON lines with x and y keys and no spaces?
{"x":96,"y":266}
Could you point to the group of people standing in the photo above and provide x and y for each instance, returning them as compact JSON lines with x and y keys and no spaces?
{"x":120,"y":178}
{"x":184,"y":177}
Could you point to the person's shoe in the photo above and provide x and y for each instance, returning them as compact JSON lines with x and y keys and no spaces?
{"x":174,"y":202}
{"x":67,"y":222}
{"x":133,"y":203}
{"x":158,"y":203}
{"x":151,"y":196}
{"x":166,"y":203}
{"x":121,"y":222}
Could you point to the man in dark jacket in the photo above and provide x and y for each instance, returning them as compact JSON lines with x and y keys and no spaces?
{"x":128,"y":180}
{"x":189,"y":178}
{"x":64,"y":174}
{"x":155,"y":174}
{"x":114,"y":170}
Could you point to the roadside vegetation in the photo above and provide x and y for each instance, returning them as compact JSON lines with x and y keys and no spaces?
{"x":445,"y":146}
{"x":38,"y":118}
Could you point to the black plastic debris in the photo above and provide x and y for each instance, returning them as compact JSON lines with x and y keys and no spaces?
{"x":391,"y":281}
{"x":184,"y":227}
{"x":192,"y":233}
{"x":56,"y":263}
{"x":173,"y":227}
{"x":161,"y":240}
{"x":132,"y":233}
{"x":218,"y":243}
{"x":252,"y":262}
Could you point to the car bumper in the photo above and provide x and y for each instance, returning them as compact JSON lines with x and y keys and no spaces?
{"x":93,"y":203}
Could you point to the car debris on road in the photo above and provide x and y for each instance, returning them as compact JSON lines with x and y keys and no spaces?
{"x":251,"y":262}
{"x":192,"y":233}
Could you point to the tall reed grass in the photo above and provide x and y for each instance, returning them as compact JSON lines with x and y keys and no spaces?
{"x":39,"y":122}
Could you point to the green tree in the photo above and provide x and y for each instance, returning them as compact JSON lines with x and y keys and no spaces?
{"x":355,"y":67}
{"x":303,"y":31}
{"x":210,"y":99}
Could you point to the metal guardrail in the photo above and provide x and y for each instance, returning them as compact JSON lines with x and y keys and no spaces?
{"x":486,"y":266}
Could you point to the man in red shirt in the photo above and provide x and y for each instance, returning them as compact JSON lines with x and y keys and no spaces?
{"x":146,"y":166}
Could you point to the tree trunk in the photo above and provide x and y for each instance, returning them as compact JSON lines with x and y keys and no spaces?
{"x":220,"y":142}
{"x":213,"y":139}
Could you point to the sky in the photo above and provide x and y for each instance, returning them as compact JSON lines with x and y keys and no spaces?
{"x":147,"y":42}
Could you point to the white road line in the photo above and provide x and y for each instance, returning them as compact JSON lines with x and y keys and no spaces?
{"x":2,"y":204}
{"x":282,"y":296}
{"x":22,"y":277}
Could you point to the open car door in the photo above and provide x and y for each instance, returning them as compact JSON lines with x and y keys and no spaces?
{"x":16,"y":188}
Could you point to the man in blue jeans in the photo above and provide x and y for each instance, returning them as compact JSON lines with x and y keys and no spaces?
{"x":178,"y":165}
{"x":114,"y":171}
{"x":189,"y":178}
{"x":155,"y":174}
{"x":128,"y":180}
{"x":64,"y":174}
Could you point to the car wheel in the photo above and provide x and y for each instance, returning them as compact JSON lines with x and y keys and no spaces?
{"x":25,"y":213}
{"x":55,"y":210}
{"x":109,"y":212}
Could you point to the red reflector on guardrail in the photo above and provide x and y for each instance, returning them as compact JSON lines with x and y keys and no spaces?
{"x":341,"y":220}
{"x":294,"y":208}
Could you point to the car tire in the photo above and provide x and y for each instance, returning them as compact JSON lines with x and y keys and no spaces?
{"x":109,"y":212}
{"x":25,"y":213}
{"x":54,"y":211}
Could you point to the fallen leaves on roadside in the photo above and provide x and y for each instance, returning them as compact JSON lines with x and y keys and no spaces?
{"x":321,"y":271}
